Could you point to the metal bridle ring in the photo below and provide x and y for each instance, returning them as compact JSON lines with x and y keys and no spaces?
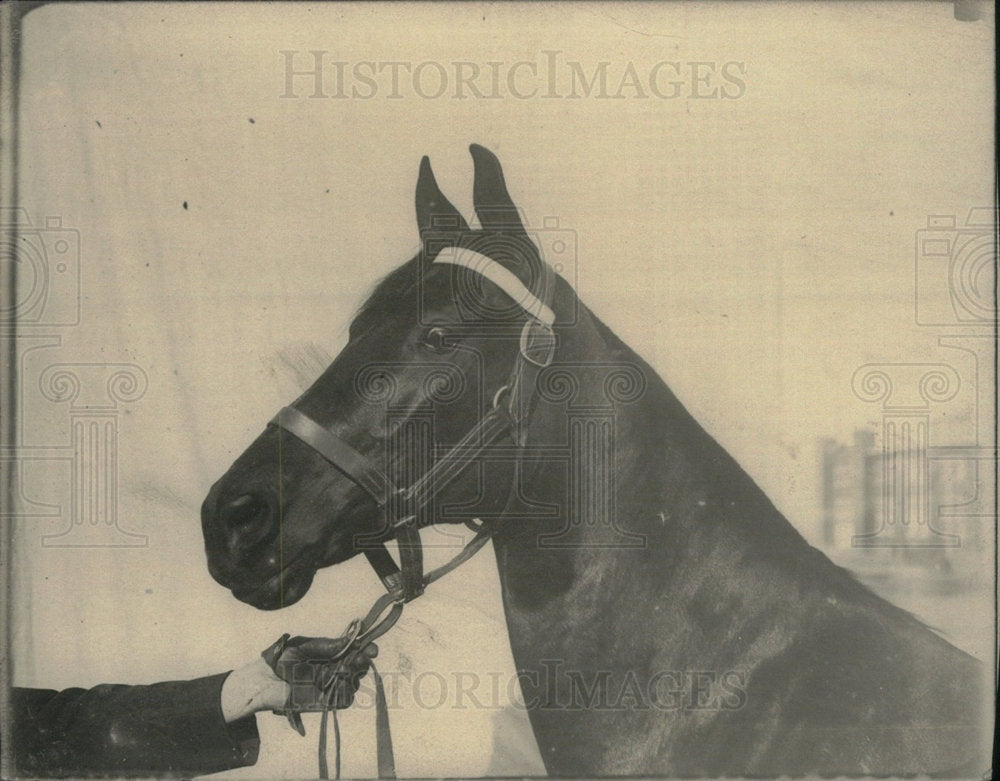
{"x":496,"y":396}
{"x":350,"y":635}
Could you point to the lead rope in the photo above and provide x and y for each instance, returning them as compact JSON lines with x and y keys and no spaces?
{"x":383,"y":736}
{"x":360,"y":633}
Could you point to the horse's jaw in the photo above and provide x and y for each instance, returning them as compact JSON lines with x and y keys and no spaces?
{"x":284,"y":588}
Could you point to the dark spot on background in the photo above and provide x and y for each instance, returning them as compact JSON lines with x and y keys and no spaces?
{"x":185,"y":205}
{"x":250,"y":119}
{"x":99,"y":123}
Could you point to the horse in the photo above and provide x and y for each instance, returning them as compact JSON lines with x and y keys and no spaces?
{"x":665,"y":618}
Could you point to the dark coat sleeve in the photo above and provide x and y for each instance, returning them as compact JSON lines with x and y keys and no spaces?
{"x":166,"y":729}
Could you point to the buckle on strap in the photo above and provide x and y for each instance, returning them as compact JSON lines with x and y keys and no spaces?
{"x":538,"y":343}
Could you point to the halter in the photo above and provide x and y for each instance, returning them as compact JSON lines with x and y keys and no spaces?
{"x":512,"y":404}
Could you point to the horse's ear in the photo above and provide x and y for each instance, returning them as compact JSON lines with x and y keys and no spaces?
{"x":435,"y":213}
{"x":494,"y":207}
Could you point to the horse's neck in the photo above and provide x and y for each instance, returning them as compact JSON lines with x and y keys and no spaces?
{"x":646,"y":492}
{"x":694,"y":573}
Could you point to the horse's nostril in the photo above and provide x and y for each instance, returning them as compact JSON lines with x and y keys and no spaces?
{"x":242,"y":501}
{"x":246,"y":511}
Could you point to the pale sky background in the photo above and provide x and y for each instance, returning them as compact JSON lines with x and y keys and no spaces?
{"x":757,"y":251}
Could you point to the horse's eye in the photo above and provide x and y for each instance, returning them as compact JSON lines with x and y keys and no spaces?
{"x":436,"y":339}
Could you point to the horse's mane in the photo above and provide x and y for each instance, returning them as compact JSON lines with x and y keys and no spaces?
{"x":794,"y":545}
{"x":386,"y":293}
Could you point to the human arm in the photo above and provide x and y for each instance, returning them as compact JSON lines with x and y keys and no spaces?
{"x":173,"y":728}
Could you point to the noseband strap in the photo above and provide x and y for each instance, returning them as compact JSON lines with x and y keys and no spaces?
{"x":335,"y":450}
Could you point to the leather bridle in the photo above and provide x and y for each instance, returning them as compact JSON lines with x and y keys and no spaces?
{"x":512,"y":405}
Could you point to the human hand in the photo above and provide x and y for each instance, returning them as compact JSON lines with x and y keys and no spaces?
{"x":296,"y":675}
{"x":320,"y":673}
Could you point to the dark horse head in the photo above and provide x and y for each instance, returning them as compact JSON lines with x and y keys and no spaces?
{"x":632,"y":551}
{"x":431,"y":335}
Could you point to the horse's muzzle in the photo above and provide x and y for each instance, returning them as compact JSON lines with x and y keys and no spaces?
{"x":238,"y":534}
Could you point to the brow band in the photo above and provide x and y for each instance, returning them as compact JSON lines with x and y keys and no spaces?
{"x":502,"y":277}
